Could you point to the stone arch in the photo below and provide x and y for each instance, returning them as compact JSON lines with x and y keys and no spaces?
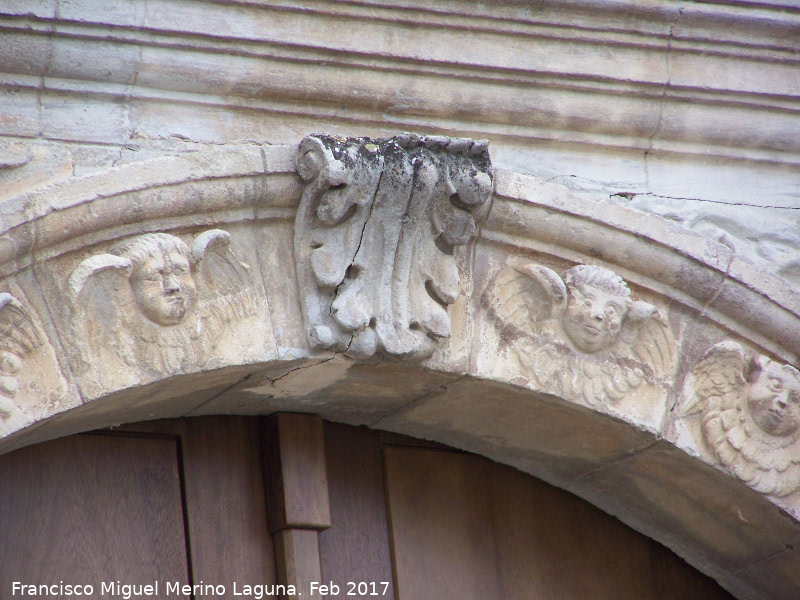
{"x":495,"y":387}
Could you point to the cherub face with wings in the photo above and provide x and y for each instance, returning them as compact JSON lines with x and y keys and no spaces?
{"x":750,"y":416}
{"x":579,"y":334}
{"x":161,"y":279}
{"x":773,"y":397}
{"x":597,"y":303}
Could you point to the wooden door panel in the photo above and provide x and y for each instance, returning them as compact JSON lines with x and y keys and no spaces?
{"x":468,"y":529}
{"x":226,"y":513}
{"x":441,"y":523}
{"x":356,"y":547}
{"x":227,"y":516}
{"x":91,"y":508}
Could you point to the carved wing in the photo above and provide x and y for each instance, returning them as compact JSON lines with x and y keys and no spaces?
{"x":100,"y":289}
{"x":718,"y":374}
{"x":18,"y":335}
{"x":768,"y":464}
{"x":648,"y":334}
{"x":224,"y":282}
{"x":519,"y":297}
{"x":95,"y":265}
{"x":216,"y":264}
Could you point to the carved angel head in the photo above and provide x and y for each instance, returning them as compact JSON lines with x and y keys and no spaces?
{"x":161,"y":276}
{"x":597,"y":303}
{"x":750,"y":416}
{"x":159,"y":303}
{"x":773,"y":396}
{"x":579,"y":334}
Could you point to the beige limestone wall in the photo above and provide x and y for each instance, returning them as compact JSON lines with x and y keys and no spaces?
{"x":614,"y":128}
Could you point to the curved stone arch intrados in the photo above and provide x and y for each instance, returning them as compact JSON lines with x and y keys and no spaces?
{"x":648,"y":473}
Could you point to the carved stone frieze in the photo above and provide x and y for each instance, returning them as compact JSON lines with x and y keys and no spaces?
{"x":31,"y":383}
{"x":155,"y":304}
{"x":749,"y":408}
{"x":579,"y":334}
{"x":376,"y":235}
{"x":18,"y":339}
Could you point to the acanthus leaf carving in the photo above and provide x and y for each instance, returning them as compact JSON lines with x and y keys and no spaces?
{"x":158,"y":304}
{"x":579,"y":334}
{"x":376,"y":235}
{"x":749,"y":409}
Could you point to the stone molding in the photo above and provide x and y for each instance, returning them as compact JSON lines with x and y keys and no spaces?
{"x":258,"y":57}
{"x":678,"y":295}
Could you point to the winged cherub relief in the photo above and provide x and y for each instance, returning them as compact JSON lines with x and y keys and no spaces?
{"x":18,"y":339}
{"x":579,"y":335}
{"x":159,"y":305}
{"x":749,"y":410}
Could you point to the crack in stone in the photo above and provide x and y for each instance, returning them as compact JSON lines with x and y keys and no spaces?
{"x":621,"y":459}
{"x":225,"y":391}
{"x":631,"y":195}
{"x":432,"y":393}
{"x":786,"y":549}
{"x":666,"y":85}
{"x":300,"y":368}
{"x":724,"y":277}
{"x":352,"y":260}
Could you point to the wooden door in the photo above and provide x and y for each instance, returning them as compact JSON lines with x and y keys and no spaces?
{"x":166,"y":504}
{"x":376,"y":516}
{"x":464,"y":527}
{"x":89,"y":510}
{"x":452,"y":525}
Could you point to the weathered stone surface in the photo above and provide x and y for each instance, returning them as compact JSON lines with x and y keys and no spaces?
{"x":164,"y":399}
{"x":375,"y":237}
{"x":766,"y":232}
{"x":124,"y":118}
{"x":333,"y":386}
{"x":578,"y":335}
{"x":775,"y":576}
{"x":155,"y":306}
{"x":32,"y":386}
{"x":736,"y":528}
{"x":533,"y":432}
{"x":743,"y":412}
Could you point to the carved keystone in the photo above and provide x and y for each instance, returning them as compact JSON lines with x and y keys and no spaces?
{"x":375,"y":238}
